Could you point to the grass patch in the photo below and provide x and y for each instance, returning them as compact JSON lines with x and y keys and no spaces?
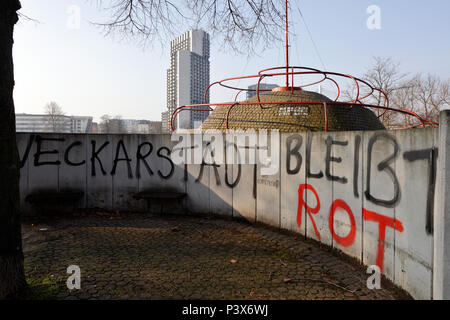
{"x":287,"y":255}
{"x":43,"y":289}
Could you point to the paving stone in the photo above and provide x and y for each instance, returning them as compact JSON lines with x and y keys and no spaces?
{"x":139,"y":257}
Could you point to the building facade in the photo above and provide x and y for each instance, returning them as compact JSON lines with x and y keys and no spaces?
{"x":141,"y":126}
{"x":155,"y":126}
{"x":187,"y":78}
{"x":81,"y":124}
{"x":53,"y":123}
{"x":262,"y":86}
{"x":165,"y":122}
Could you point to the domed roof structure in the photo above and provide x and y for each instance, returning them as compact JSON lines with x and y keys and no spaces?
{"x":291,"y":108}
{"x":286,"y":117}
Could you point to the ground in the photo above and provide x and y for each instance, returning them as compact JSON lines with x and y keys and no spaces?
{"x":143,"y":256}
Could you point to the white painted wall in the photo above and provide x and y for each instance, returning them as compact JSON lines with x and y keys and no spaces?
{"x":408,"y":251}
{"x":441,"y":281}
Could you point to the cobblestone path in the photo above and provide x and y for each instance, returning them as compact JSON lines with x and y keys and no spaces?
{"x":140,"y":256}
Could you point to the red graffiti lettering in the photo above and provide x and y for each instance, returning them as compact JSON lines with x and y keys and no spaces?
{"x":310,"y":211}
{"x":383,"y":223}
{"x":350,"y":238}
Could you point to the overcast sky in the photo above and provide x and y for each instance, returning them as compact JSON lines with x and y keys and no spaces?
{"x":90,"y":74}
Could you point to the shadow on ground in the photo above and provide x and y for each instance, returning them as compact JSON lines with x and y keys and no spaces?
{"x":143,"y":256}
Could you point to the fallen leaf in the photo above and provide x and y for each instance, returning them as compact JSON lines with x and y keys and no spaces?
{"x":287,"y":280}
{"x":233,"y":261}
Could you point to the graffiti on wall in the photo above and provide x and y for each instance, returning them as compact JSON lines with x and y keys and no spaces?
{"x":143,"y":152}
{"x":44,"y":150}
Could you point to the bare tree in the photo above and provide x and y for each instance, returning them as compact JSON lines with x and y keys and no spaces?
{"x":112,"y":125}
{"x":105,"y":124}
{"x":424,"y":95}
{"x":243,"y":25}
{"x":55,"y":116}
{"x":403,"y":99}
{"x":118,"y":124}
{"x":431,"y":93}
{"x":385,"y":75}
{"x":12,"y":275}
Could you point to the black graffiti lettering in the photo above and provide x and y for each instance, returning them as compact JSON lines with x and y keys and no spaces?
{"x":293,"y":152}
{"x":186,"y":155}
{"x":200,"y":173}
{"x":383,"y":166}
{"x":238,"y":178}
{"x":94,"y":157}
{"x":141,"y":157}
{"x":172,"y":167}
{"x":214,"y":165}
{"x":356,"y":166}
{"x":309,"y":174}
{"x":431,"y":156}
{"x":27,"y":151}
{"x":66,"y":155}
{"x":39,"y":152}
{"x":120,"y":145}
{"x":216,"y":173}
{"x":328,"y":159}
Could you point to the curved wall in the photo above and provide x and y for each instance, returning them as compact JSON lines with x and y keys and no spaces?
{"x":369,"y":194}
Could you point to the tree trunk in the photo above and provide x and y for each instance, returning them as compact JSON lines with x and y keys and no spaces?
{"x":12,"y":275}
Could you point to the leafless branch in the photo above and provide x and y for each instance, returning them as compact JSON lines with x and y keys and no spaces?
{"x":423,"y":94}
{"x":55,"y":116}
{"x":242,"y":25}
{"x":24,"y":17}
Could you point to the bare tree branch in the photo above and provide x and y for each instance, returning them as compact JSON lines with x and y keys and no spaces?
{"x":55,"y":116}
{"x":384,"y":75}
{"x":24,"y":17}
{"x":423,"y":94}
{"x":243,"y":25}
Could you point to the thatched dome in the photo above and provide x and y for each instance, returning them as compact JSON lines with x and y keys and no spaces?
{"x":290,"y":117}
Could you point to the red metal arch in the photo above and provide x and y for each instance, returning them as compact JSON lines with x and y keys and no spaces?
{"x":292,"y":71}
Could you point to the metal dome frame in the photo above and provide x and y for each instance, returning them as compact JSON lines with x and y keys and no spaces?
{"x":289,"y":72}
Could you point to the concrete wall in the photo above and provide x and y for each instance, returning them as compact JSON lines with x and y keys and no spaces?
{"x":441,"y":283}
{"x":368,"y":194}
